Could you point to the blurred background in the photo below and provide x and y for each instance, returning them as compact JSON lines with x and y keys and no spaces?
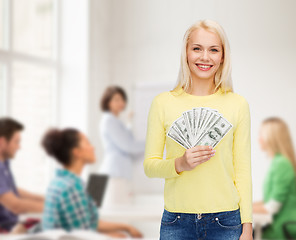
{"x":58,"y":56}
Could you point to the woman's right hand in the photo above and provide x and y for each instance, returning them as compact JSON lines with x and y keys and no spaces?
{"x":193,"y":157}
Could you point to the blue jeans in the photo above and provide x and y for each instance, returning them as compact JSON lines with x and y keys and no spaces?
{"x":206,"y":226}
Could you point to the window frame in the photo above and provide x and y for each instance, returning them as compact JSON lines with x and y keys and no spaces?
{"x":8,"y":56}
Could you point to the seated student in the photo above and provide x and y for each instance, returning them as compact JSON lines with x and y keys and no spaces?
{"x":67,"y":204}
{"x":279,"y":188}
{"x":13,"y":200}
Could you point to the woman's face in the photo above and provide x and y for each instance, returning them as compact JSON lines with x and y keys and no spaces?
{"x":85,"y":150}
{"x":204,"y":54}
{"x":117,"y":103}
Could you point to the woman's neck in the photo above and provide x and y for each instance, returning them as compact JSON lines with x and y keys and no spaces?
{"x":270,"y":153}
{"x":76,"y":167}
{"x":202,"y":87}
{"x":115,"y":113}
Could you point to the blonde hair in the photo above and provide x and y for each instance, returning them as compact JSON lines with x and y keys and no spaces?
{"x":223,"y":75}
{"x":276,"y":135}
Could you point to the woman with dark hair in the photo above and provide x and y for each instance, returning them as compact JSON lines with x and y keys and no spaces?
{"x":67,"y":204}
{"x":120,"y":147}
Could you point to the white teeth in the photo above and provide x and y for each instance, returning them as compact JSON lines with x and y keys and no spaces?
{"x":204,"y":66}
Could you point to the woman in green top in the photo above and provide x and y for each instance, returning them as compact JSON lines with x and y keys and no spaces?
{"x":279,"y":187}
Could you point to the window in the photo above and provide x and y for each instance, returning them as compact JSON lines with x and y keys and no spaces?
{"x":32,"y":27}
{"x":28,"y":75}
{"x":32,"y":104}
{"x":2,"y":90}
{"x":2,"y":18}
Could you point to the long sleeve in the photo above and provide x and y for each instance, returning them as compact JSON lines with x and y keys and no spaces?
{"x":123,"y":138}
{"x":242,"y":162}
{"x":282,"y":179}
{"x":154,"y":164}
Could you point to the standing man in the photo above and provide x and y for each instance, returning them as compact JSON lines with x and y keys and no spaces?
{"x":13,"y":200}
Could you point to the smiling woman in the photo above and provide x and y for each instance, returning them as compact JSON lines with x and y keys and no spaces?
{"x":204,"y":55}
{"x":207,"y":55}
{"x":208,"y":192}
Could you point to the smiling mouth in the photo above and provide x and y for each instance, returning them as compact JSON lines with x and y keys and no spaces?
{"x":204,"y":67}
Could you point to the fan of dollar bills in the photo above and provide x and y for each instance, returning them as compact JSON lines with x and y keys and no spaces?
{"x":199,"y":126}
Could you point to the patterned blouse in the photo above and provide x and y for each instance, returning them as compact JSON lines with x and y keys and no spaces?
{"x":68,"y":205}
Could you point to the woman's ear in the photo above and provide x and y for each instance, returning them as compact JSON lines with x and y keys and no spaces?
{"x":75,"y":152}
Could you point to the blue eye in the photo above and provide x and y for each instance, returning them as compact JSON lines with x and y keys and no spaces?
{"x":196,"y":48}
{"x":214,"y":50}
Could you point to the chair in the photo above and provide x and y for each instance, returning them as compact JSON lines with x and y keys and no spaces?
{"x":287,"y":233}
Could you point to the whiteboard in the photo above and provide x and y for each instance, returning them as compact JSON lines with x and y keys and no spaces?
{"x":143,"y":94}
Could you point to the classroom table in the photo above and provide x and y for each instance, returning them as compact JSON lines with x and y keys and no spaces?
{"x":149,"y":208}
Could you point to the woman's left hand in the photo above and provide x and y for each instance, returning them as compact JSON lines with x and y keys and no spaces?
{"x":247,"y":232}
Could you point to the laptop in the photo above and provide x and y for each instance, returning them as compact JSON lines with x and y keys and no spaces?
{"x":96,"y":187}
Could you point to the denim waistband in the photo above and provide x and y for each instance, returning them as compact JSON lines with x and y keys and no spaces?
{"x":204,"y":215}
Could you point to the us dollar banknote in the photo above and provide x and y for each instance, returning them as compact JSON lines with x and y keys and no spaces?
{"x":199,"y":126}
